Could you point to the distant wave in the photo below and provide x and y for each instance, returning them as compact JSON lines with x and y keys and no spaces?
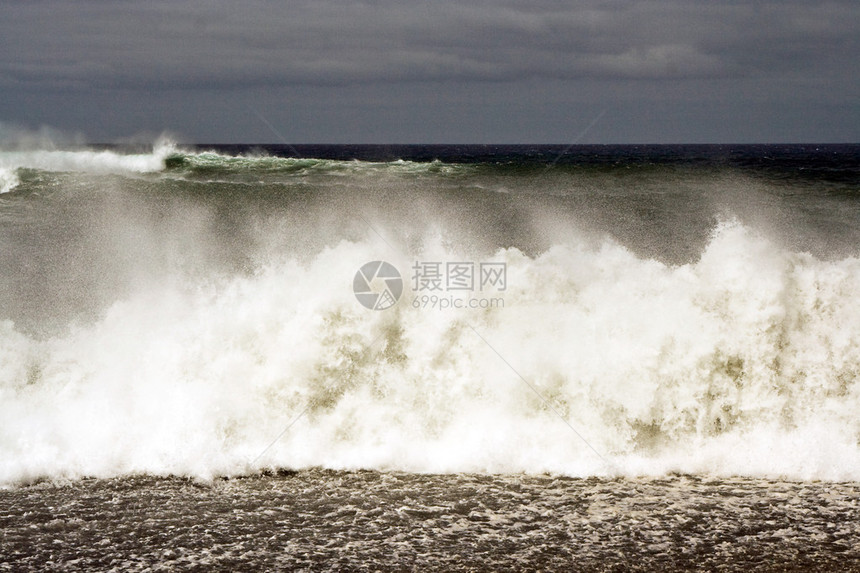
{"x":745,"y":362}
{"x":205,"y":163}
{"x":169,"y":158}
{"x":87,"y":160}
{"x":80,"y":161}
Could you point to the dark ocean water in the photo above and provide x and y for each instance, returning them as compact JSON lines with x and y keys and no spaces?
{"x":592,"y":357}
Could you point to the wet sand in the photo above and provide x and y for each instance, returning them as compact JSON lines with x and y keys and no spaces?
{"x":338,"y":520}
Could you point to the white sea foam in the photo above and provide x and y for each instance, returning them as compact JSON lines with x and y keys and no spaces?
{"x":87,"y":160}
{"x":8,"y":180}
{"x":745,"y":362}
{"x":210,"y":161}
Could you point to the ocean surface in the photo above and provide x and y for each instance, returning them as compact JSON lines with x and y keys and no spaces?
{"x":411,"y":357}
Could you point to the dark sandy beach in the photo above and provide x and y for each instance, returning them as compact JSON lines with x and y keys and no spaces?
{"x":371,"y":521}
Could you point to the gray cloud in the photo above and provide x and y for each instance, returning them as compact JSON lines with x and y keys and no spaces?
{"x":409,"y":70}
{"x":113,"y":44}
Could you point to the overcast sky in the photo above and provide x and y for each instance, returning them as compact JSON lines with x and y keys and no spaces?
{"x":443,"y":71}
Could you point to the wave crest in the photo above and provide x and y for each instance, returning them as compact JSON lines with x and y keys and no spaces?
{"x":88,"y":160}
{"x":745,"y":362}
{"x":206,"y":163}
{"x":8,"y":180}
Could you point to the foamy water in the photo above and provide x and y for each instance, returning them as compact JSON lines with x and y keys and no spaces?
{"x":87,"y":160}
{"x":8,"y":180}
{"x":742,"y":361}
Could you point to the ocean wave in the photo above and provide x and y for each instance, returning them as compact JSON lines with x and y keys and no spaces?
{"x":744,"y":362}
{"x":87,"y":160}
{"x":205,"y":163}
{"x":8,"y":180}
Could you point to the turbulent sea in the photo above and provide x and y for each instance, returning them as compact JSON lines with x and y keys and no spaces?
{"x":596,"y":358}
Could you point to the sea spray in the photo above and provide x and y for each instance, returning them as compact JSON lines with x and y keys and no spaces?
{"x":199,"y":319}
{"x":8,"y":180}
{"x":87,"y":160}
{"x":743,"y":362}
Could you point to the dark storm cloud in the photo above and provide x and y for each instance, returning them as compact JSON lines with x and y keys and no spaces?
{"x":196,"y":44}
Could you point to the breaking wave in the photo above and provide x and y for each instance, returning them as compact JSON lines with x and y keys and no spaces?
{"x":87,"y":160}
{"x":206,"y":163}
{"x":8,"y":180}
{"x":167,"y":158}
{"x":745,"y":361}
